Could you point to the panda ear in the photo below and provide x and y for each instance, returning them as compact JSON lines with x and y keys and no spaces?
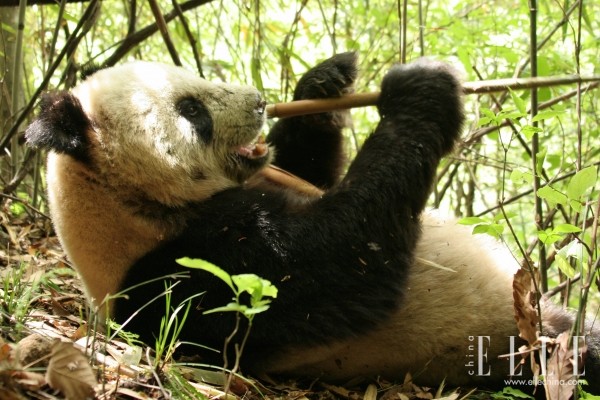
{"x":62,"y":126}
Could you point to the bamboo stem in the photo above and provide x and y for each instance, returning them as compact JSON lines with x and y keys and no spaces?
{"x":303,"y":107}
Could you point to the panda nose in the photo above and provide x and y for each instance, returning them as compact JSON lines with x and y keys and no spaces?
{"x":261,"y":106}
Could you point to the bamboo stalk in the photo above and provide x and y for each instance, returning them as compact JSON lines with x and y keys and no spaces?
{"x":303,"y":107}
{"x":282,"y":178}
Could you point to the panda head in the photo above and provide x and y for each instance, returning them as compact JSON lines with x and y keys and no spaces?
{"x":158,"y":130}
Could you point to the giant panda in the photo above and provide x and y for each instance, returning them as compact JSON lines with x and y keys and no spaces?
{"x":148,"y":163}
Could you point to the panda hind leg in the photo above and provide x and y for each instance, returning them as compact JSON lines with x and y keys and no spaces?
{"x":556,"y":320}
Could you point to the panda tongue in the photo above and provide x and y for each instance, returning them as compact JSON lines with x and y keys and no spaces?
{"x":255,"y":150}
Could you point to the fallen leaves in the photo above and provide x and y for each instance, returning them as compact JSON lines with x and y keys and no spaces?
{"x":70,"y":372}
{"x":561,"y":380}
{"x":525,"y":304}
{"x":557,"y":360}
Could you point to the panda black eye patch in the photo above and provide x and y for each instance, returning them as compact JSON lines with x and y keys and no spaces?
{"x":197,"y":114}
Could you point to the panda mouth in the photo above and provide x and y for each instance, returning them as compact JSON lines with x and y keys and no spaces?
{"x":253,"y":151}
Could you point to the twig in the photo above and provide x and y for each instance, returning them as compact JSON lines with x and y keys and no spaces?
{"x":25,"y":203}
{"x":302,"y":107}
{"x":189,"y":35}
{"x":131,"y":41}
{"x":476,"y":135}
{"x":162,"y":27}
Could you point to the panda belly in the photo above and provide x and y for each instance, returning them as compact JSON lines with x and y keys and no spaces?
{"x":434,"y":334}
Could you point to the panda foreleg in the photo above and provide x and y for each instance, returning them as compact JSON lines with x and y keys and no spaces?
{"x":311,"y":146}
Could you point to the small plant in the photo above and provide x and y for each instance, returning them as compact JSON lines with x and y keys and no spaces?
{"x":16,"y":295}
{"x":171,"y":325}
{"x":260,"y":290}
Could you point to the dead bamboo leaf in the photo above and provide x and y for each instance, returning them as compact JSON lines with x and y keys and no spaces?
{"x":527,"y":318}
{"x":524,"y":297}
{"x":561,"y":380}
{"x":70,"y":372}
{"x":29,"y":380}
{"x":370,"y":393}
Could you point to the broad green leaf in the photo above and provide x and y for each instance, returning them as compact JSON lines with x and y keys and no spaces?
{"x":231,"y":307}
{"x":565,"y":266}
{"x":548,"y":236}
{"x":520,"y":177}
{"x":510,"y":114}
{"x":547,"y":114}
{"x":512,"y":394}
{"x":553,"y":160}
{"x":256,"y":310}
{"x":581,"y":182}
{"x":559,"y":232}
{"x":576,"y":205}
{"x":483,"y":121}
{"x":500,"y":216}
{"x":471,"y":221}
{"x":528,"y":131}
{"x":519,"y":103}
{"x":494,"y":230}
{"x":465,"y":58}
{"x":256,"y":286}
{"x":573,"y":251}
{"x":197,"y":263}
{"x":539,"y":161}
{"x":566,"y":228}
{"x":552,"y":195}
{"x":490,"y":115}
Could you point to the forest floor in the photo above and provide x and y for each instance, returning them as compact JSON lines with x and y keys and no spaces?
{"x":50,"y":348}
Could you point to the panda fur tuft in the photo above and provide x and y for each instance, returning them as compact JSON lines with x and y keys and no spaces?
{"x":149,"y":163}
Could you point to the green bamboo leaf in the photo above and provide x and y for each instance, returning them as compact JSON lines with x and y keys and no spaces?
{"x":8,"y":28}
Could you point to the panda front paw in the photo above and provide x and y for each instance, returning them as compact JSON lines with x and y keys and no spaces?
{"x":331,"y":78}
{"x":422,"y":93}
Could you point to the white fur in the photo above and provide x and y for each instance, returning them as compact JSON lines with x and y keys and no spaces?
{"x":144,"y":143}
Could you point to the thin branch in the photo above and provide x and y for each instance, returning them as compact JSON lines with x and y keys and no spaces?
{"x":162,"y":27}
{"x":189,"y":35}
{"x":133,"y":40}
{"x":476,"y":135}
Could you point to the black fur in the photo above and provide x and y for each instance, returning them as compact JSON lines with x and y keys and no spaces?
{"x":62,"y":126}
{"x":311,"y":145}
{"x":341,"y":261}
{"x":197,"y":114}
